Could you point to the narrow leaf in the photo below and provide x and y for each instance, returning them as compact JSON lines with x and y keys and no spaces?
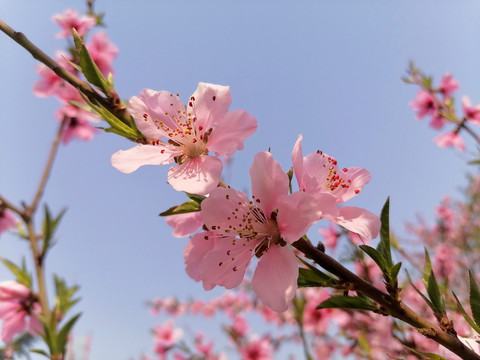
{"x":89,"y":68}
{"x":474,"y":298}
{"x":20,"y":274}
{"x":348,"y":302}
{"x":383,"y":246}
{"x":187,"y":207}
{"x":462,"y":311}
{"x":62,"y":337}
{"x":376,"y":256}
{"x":435,"y":296}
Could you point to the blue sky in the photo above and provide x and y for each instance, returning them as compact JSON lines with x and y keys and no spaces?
{"x":328,"y":70}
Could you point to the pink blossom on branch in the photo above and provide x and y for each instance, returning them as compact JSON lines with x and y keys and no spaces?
{"x":8,"y":220}
{"x":471,"y":113}
{"x":18,"y":309}
{"x":241,"y":229}
{"x":318,"y":174}
{"x":424,"y":103}
{"x":450,"y":139}
{"x":70,"y":19}
{"x":448,"y":85}
{"x":186,"y":135}
{"x":103,"y":52}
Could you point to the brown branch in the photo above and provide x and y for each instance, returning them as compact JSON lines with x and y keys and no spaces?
{"x":390,"y":305}
{"x":111,"y":103}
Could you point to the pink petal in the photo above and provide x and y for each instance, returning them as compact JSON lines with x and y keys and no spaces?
{"x":269,"y":182}
{"x":35,"y":327}
{"x":13,"y":325}
{"x":297,"y":160}
{"x":226,"y":263}
{"x":127,"y":161}
{"x":185,"y":224}
{"x":359,"y":221}
{"x":359,"y":177}
{"x":229,"y":134}
{"x":195,"y":250}
{"x":197,"y":176}
{"x":11,"y":289}
{"x":8,"y":221}
{"x":219,"y":205}
{"x":7,"y":308}
{"x":450,"y":139}
{"x":157,"y":105}
{"x":297,"y":212}
{"x":275,"y":278}
{"x":211,"y":104}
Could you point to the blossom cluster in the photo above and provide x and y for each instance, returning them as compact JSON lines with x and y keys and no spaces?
{"x":438,"y":104}
{"x":78,"y":122}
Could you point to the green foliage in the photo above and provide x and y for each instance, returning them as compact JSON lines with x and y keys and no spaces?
{"x":20,"y":273}
{"x":359,"y":302}
{"x":21,"y":345}
{"x":426,"y":355}
{"x":431,"y":284}
{"x":64,"y":295}
{"x":474,"y":298}
{"x":56,"y":341}
{"x":467,"y":317}
{"x":382,"y":254}
{"x":192,"y":205}
{"x":88,"y":66}
{"x":49,"y":226}
{"x":313,"y":277}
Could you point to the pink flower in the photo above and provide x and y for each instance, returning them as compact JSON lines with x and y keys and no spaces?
{"x":424,"y":103}
{"x":448,"y":140}
{"x":8,"y":220}
{"x":318,"y":174}
{"x":165,"y":337}
{"x":257,"y":349}
{"x":18,"y":307}
{"x":448,"y":85}
{"x":190,"y":133}
{"x":330,"y":236}
{"x":103,"y":52}
{"x":240,"y":229}
{"x":472,"y":113}
{"x":50,"y":82}
{"x":185,"y":224}
{"x":437,"y":122}
{"x":78,"y":128}
{"x":70,"y":19}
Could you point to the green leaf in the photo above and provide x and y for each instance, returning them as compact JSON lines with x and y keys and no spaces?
{"x":319,"y":275}
{"x":187,"y":207}
{"x":383,"y":246}
{"x":474,"y":298}
{"x":89,"y":68}
{"x":395,"y":269}
{"x":427,"y":301}
{"x":49,"y":227}
{"x":20,"y":274}
{"x":62,"y":337}
{"x":427,"y":355}
{"x":375,"y":255}
{"x":41,"y":352}
{"x":195,"y":197}
{"x":310,"y":278}
{"x":462,"y":311}
{"x":431,"y":284}
{"x":348,"y":302}
{"x":64,"y":295}
{"x":427,"y":268}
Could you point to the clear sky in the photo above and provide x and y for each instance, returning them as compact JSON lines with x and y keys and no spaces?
{"x":329,"y":70}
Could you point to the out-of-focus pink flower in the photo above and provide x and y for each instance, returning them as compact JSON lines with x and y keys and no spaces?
{"x":450,"y":139}
{"x":330,"y":236}
{"x":70,"y":19}
{"x":165,"y":337}
{"x":8,"y":220}
{"x":103,"y":52}
{"x":472,"y":113}
{"x":262,"y":228}
{"x":50,"y":82}
{"x":240,"y":325}
{"x":424,"y":103}
{"x":185,"y":135}
{"x":448,"y":85}
{"x":316,"y":320}
{"x":79,"y":129}
{"x":257,"y":349}
{"x":318,"y":174}
{"x":185,"y":224}
{"x":437,"y":122}
{"x":18,"y":309}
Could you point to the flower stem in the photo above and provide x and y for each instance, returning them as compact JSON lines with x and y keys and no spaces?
{"x":390,"y":305}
